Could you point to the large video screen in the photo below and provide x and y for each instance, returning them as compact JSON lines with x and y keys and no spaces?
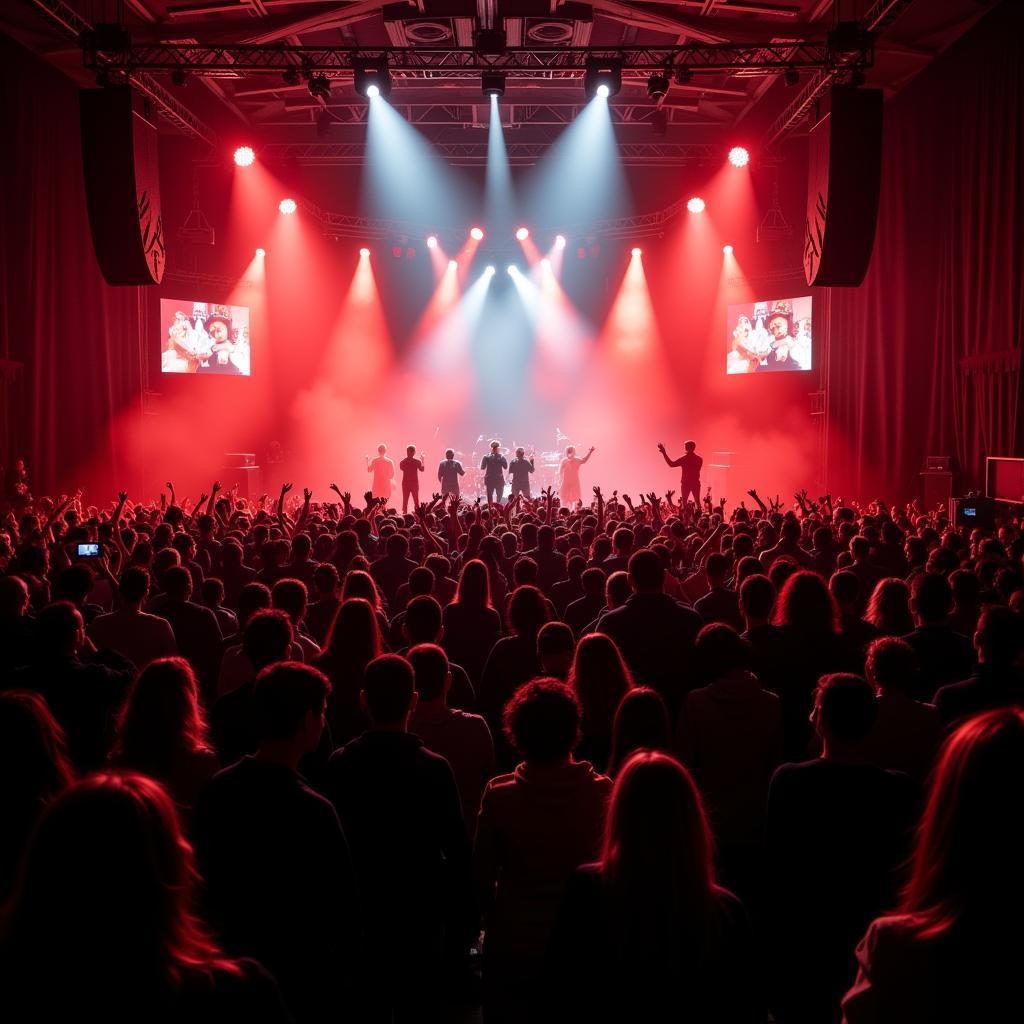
{"x":775,"y":335}
{"x":204,"y":337}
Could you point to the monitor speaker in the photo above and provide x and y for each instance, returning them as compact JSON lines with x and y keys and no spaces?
{"x":122,"y":184}
{"x":844,"y":178}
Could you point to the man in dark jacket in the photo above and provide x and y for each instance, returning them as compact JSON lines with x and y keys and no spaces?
{"x":399,"y":806}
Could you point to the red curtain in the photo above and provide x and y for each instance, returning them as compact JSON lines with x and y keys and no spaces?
{"x":75,"y":337}
{"x":926,"y":354}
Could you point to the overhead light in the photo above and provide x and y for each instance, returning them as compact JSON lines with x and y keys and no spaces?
{"x":523,"y":234}
{"x":559,"y":241}
{"x":372,"y":78}
{"x":739,"y":156}
{"x":260,"y":253}
{"x":287,"y":206}
{"x":179,"y":77}
{"x":791,"y":77}
{"x":291,"y":76}
{"x":602,"y":77}
{"x":657,"y":86}
{"x":364,"y":251}
{"x":695,"y":205}
{"x":432,"y":242}
{"x":244,"y":156}
{"x":636,"y":251}
{"x":683,"y":76}
{"x":477,"y":234}
{"x":319,"y":87}
{"x":490,"y":42}
{"x":492,"y":83}
{"x":512,"y":270}
{"x":727,"y":249}
{"x":489,"y":271}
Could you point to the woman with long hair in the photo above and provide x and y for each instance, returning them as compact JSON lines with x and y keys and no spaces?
{"x":162,"y":731}
{"x":646,"y":933}
{"x":809,"y":646}
{"x":490,"y":554}
{"x":600,"y":680}
{"x":952,"y":951}
{"x":353,"y":642}
{"x":889,"y":608}
{"x":641,"y":723}
{"x":102,"y":925}
{"x":34,"y":769}
{"x":471,"y":624}
{"x":359,"y":583}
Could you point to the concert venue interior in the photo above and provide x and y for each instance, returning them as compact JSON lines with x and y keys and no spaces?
{"x":252,"y":241}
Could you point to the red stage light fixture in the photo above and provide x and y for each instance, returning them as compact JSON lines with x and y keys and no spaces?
{"x":636,"y":250}
{"x":695,"y":205}
{"x":522,"y":234}
{"x":432,"y":242}
{"x":559,"y":241}
{"x":396,"y":251}
{"x":739,"y":157}
{"x":477,"y":234}
{"x":727,"y":249}
{"x":364,"y":251}
{"x":287,"y":206}
{"x":581,"y":253}
{"x":261,"y":253}
{"x":244,"y":156}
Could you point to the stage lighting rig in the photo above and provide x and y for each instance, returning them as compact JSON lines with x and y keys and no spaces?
{"x":657,"y":86}
{"x":492,"y":83}
{"x":372,"y":78}
{"x":179,"y":77}
{"x":602,"y":77}
{"x":791,"y":77}
{"x":319,"y":87}
{"x":490,"y":42}
{"x":290,"y":76}
{"x":684,"y":76}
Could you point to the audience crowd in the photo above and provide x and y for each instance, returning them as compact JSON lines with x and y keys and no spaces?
{"x":631,"y":760}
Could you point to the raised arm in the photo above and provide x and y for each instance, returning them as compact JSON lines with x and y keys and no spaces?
{"x":586,"y":458}
{"x":668,"y":461}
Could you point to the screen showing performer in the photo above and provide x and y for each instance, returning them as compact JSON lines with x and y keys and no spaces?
{"x":204,"y":337}
{"x":768,"y":336}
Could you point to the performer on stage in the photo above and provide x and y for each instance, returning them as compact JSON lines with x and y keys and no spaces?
{"x":519,"y":470}
{"x":493,"y":466}
{"x":383,"y":470}
{"x":448,"y":473}
{"x":691,"y":463}
{"x":411,"y":468}
{"x":569,"y":476}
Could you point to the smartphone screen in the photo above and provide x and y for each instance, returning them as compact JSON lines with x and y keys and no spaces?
{"x":88,"y":550}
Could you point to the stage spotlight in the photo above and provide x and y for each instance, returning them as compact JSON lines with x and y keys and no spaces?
{"x":739,"y":157}
{"x":489,"y":271}
{"x":559,"y":241}
{"x":602,"y":77}
{"x":319,"y":87}
{"x":244,"y":156}
{"x":695,"y":205}
{"x":636,"y":250}
{"x":432,"y":242}
{"x":179,"y":77}
{"x":396,"y":251}
{"x":291,"y":76}
{"x":522,"y":234}
{"x":512,"y":270}
{"x":287,"y":206}
{"x":372,"y":78}
{"x":727,"y":249}
{"x":657,"y":86}
{"x":364,"y":251}
{"x":453,"y":264}
{"x":477,"y":234}
{"x":791,"y":77}
{"x":492,"y":83}
{"x":261,"y":253}
{"x":683,"y":76}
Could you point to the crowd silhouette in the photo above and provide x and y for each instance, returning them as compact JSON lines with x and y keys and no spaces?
{"x":624,"y":759}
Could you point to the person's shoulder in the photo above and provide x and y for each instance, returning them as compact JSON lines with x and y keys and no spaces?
{"x":500,"y":787}
{"x":794,"y":772}
{"x":232,"y":990}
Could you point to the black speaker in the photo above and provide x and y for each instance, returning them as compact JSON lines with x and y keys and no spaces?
{"x":936,"y":490}
{"x":844,"y":177}
{"x":975,"y":512}
{"x":122,"y":184}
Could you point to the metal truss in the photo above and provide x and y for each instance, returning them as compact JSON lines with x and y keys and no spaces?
{"x":340,"y":154}
{"x":75,"y":27}
{"x":233,"y":60}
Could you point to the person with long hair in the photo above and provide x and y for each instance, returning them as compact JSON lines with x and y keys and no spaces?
{"x":353,"y":642}
{"x":646,"y":933}
{"x":889,"y":608}
{"x":600,"y":679}
{"x":102,"y":924}
{"x":34,"y":769}
{"x":471,"y":623}
{"x":641,"y":723}
{"x":952,"y":951}
{"x":161,"y":731}
{"x":809,"y":647}
{"x":359,"y":583}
